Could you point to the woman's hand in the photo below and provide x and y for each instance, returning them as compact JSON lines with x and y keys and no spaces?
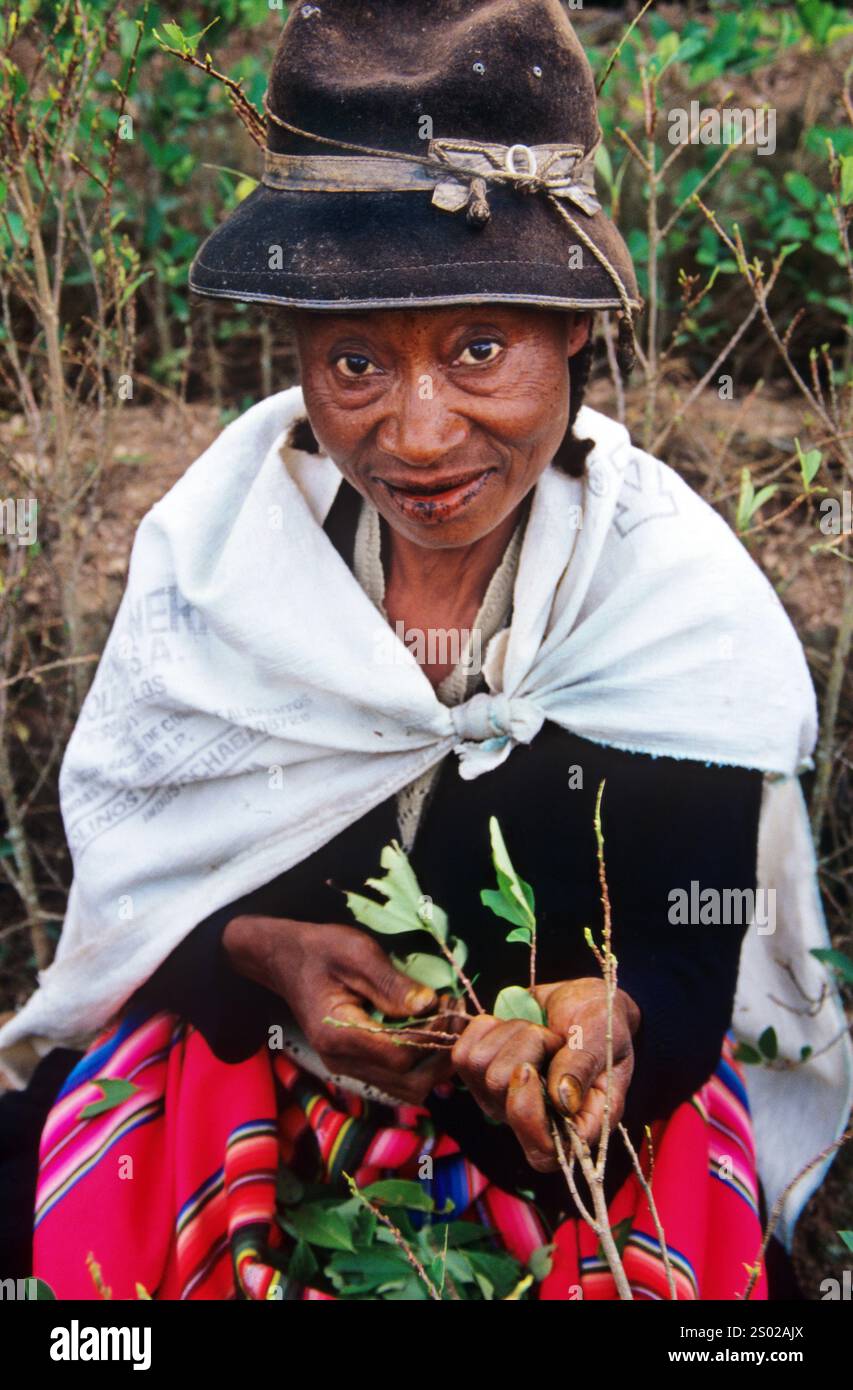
{"x":500,"y":1063}
{"x":331,"y":971}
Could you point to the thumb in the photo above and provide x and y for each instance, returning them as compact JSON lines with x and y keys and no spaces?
{"x":396,"y":994}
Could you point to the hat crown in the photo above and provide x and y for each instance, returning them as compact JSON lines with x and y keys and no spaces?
{"x":369,"y":71}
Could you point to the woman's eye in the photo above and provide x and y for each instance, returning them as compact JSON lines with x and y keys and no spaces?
{"x":476,"y":353}
{"x":353,"y":364}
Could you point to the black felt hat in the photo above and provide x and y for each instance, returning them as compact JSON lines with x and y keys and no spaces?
{"x":425,"y":152}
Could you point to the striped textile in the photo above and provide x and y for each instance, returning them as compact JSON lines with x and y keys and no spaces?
{"x":175,"y":1188}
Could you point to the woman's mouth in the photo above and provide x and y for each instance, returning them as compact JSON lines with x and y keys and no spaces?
{"x":439,"y":499}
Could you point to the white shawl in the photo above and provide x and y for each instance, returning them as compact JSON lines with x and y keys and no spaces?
{"x":241,"y":717}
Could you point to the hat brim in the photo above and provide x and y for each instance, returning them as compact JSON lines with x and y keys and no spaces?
{"x":396,"y":250}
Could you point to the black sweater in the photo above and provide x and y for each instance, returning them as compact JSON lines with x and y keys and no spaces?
{"x":667,"y":823}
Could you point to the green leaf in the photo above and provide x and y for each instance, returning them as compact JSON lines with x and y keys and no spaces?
{"x":410,"y":1290}
{"x":840,"y":31}
{"x":319,"y":1225}
{"x":828,"y":243}
{"x":689,"y":47}
{"x":523,"y":934}
{"x":809,"y":463}
{"x":801,"y":188}
{"x":744,"y":1052}
{"x":44,"y":1293}
{"x":763,"y":495}
{"x":501,"y":1270}
{"x":459,"y":951}
{"x":515,"y":1002}
{"x":400,"y":882}
{"x":427,"y":970}
{"x":749,"y":501}
{"x":114,"y":1090}
{"x":246,"y":186}
{"x":638,"y":244}
{"x":130,"y":290}
{"x":174,"y":33}
{"x":666,"y":51}
{"x":513,"y":889}
{"x":847,"y":179}
{"x":621,"y":1232}
{"x":366,"y":1271}
{"x":822,"y":21}
{"x":528,"y":895}
{"x":192,"y":41}
{"x":603,"y":165}
{"x":436,"y":925}
{"x":380,"y":917}
{"x":302,"y":1265}
{"x":396,"y":1192}
{"x":186,"y":43}
{"x":745,"y":500}
{"x":436,"y":1270}
{"x":768,"y":1044}
{"x":540,"y":1262}
{"x":405,"y":908}
{"x":817,"y":136}
{"x":847,"y":1237}
{"x":836,"y":960}
{"x":467,"y":1233}
{"x":360,"y":1221}
{"x":500,"y":855}
{"x":458,"y":1268}
{"x":501,"y":906}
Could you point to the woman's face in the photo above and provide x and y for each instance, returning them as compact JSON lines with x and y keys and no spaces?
{"x":444,"y":418}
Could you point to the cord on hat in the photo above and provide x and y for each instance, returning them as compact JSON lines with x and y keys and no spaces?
{"x":447,"y":158}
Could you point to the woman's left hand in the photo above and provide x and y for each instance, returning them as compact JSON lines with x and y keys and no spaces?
{"x":501,"y":1061}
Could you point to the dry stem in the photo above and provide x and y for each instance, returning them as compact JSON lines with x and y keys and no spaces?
{"x":399,"y":1239}
{"x":776,"y":1212}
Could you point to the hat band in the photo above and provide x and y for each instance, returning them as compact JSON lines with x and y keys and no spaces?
{"x":459,"y":171}
{"x":453,"y":169}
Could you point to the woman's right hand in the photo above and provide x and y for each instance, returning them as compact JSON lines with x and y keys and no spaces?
{"x":326,"y":970}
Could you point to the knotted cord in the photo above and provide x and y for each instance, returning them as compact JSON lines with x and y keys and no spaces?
{"x":446,"y":163}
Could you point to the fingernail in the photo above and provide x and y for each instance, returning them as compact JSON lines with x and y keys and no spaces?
{"x":523,"y":1075}
{"x":570,"y":1094}
{"x":418,"y":999}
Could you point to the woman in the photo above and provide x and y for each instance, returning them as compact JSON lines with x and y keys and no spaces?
{"x":258,"y":732}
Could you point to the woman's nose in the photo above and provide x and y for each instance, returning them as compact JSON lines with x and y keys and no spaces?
{"x":418,"y":428}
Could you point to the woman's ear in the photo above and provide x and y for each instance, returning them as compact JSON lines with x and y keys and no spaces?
{"x":580,"y":328}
